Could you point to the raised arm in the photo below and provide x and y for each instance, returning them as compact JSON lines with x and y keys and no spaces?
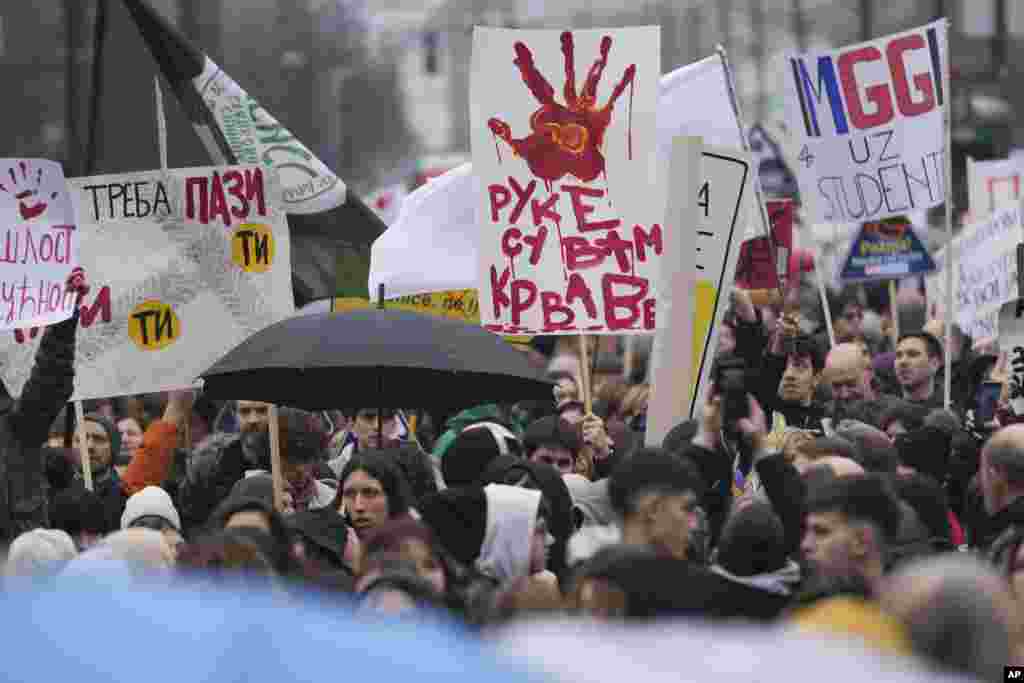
{"x":51,"y":382}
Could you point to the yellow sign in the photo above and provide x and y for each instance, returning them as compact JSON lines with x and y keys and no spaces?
{"x":153,"y":325}
{"x":252,"y":247}
{"x":704,"y":312}
{"x":462,"y":304}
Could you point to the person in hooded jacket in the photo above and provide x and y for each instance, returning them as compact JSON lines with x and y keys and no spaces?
{"x":751,"y":556}
{"x":500,"y":532}
{"x":102,"y":442}
{"x":557,"y":500}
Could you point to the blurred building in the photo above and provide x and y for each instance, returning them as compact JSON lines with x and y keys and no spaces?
{"x":312,"y":63}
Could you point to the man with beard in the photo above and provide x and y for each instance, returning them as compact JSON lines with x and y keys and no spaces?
{"x":849,"y":372}
{"x":221,"y":460}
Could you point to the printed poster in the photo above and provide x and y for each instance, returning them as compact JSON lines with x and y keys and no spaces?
{"x":573,"y":201}
{"x":888,"y":249}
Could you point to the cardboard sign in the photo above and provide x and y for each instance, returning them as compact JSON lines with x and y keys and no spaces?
{"x":571,"y":212}
{"x":985,"y":273}
{"x":722,"y":199}
{"x":755,"y":268}
{"x":40,"y":243}
{"x":886,"y":250}
{"x":184,"y":265}
{"x":868,"y":120}
{"x":991,"y":184}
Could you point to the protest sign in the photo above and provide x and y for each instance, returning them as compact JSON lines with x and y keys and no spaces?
{"x":886,"y":250}
{"x":184,"y":264}
{"x":991,"y":184}
{"x":868,"y":120}
{"x":722,"y":199}
{"x":984,"y":274}
{"x":40,"y":243}
{"x":755,"y":269}
{"x":671,"y":368}
{"x":439,"y":218}
{"x":1011,"y":341}
{"x":570,"y":217}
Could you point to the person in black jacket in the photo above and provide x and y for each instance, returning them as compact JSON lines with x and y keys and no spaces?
{"x":25,"y":423}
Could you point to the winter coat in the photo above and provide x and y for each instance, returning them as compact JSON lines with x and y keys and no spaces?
{"x":1004,"y":540}
{"x":24,"y":425}
{"x":216,"y":466}
{"x":761,"y":597}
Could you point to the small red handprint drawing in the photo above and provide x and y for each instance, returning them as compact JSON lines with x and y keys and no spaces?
{"x":29,"y":204}
{"x":565,"y":139}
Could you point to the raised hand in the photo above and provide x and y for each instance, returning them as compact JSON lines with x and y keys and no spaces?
{"x":564,"y":139}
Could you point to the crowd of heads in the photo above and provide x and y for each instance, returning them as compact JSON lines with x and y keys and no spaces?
{"x":829,"y":490}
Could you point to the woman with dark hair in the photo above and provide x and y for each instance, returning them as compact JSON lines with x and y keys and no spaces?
{"x":254,"y":515}
{"x":371,"y":491}
{"x":411,"y":541}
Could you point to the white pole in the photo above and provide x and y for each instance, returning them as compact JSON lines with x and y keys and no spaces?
{"x":161,"y":123}
{"x":948,"y":113}
{"x":758,"y":197}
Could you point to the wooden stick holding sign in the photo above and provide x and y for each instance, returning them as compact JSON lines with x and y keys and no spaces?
{"x":275,"y":459}
{"x":894,"y":311}
{"x":585,"y":375}
{"x":83,"y":449}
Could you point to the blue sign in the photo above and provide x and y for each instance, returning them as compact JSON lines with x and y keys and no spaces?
{"x":886,"y":250}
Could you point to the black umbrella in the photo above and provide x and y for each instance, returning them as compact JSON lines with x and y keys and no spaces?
{"x":375,"y":358}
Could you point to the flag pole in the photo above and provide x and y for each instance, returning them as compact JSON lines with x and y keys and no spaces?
{"x":948,"y":113}
{"x":758,"y":197}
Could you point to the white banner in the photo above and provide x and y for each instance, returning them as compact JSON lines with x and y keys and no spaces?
{"x":984,"y":276}
{"x":570,"y":219}
{"x":184,"y":265}
{"x":40,"y":243}
{"x":671,"y":366}
{"x":869,"y":122}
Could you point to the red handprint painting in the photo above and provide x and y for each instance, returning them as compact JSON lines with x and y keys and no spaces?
{"x":565,"y":139}
{"x":24,"y":181}
{"x":37,"y":243}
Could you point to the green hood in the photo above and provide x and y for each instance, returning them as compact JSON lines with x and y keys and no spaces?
{"x":454,"y":426}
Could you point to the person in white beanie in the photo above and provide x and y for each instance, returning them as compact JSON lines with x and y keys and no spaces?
{"x":152,"y":508}
{"x":39,"y":552}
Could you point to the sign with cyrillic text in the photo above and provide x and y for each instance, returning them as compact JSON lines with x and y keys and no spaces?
{"x":572,"y":202}
{"x":40,"y":243}
{"x":184,"y":265}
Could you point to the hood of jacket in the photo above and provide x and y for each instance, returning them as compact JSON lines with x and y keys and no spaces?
{"x":779,"y":582}
{"x":489,"y":412}
{"x":511,"y":518}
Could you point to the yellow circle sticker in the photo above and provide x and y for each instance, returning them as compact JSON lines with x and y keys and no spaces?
{"x":252,"y":247}
{"x":153,"y":325}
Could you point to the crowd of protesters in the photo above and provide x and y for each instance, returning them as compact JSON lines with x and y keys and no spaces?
{"x":831,"y":493}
